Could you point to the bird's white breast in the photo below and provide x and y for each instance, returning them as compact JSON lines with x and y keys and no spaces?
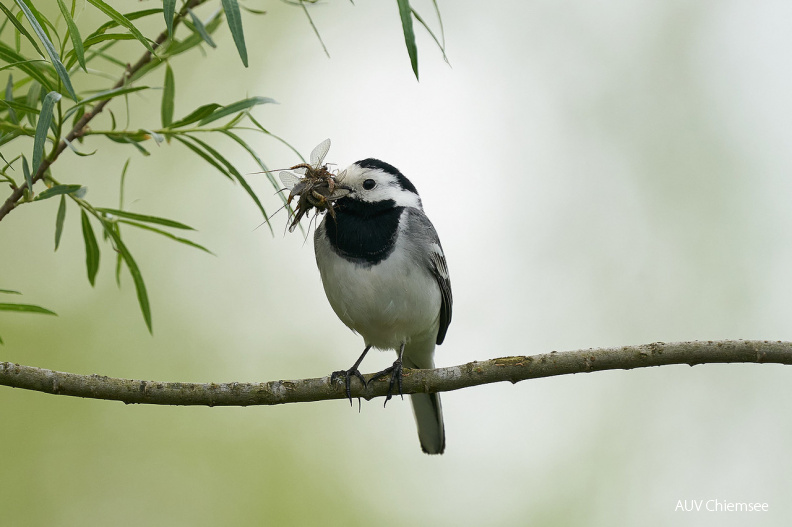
{"x":394,"y":301}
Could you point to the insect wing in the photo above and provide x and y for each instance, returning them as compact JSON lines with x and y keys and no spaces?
{"x":319,"y":153}
{"x":289,"y":179}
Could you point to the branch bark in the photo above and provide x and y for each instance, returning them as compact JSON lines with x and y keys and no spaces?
{"x":82,"y":125}
{"x":512,"y":369}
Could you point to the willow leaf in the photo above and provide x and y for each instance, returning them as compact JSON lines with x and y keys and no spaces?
{"x":168,"y":95}
{"x":238,"y":106}
{"x":21,"y":28}
{"x":199,"y":28}
{"x":168,"y":10}
{"x":44,"y":120}
{"x":405,"y":12}
{"x":74,"y":34}
{"x":234,"y":19}
{"x":134,"y":270}
{"x":59,"y":221}
{"x":91,"y":248}
{"x":57,"y":190}
{"x":53,"y":54}
{"x":121,"y":20}
{"x":166,"y":234}
{"x":145,"y":218}
{"x":26,"y":308}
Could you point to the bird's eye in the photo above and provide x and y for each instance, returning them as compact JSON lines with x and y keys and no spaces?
{"x":369,"y":184}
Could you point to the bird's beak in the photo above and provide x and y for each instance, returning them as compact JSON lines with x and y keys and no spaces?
{"x":339,"y":192}
{"x":339,"y":189}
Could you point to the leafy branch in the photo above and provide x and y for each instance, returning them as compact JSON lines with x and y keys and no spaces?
{"x":511,"y":369}
{"x":45,"y":100}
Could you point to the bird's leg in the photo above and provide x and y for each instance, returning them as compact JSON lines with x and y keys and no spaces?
{"x":348,"y":374}
{"x":395,"y":372}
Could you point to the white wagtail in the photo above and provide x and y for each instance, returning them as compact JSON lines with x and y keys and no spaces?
{"x":386,"y":278}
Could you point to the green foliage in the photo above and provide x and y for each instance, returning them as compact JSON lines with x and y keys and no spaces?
{"x":50,"y":97}
{"x":405,"y":12}
{"x":21,"y":308}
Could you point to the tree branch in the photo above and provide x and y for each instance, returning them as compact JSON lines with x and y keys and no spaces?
{"x":81,"y":126}
{"x":511,"y":369}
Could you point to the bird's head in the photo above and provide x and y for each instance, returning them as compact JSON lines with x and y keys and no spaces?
{"x":374,"y":184}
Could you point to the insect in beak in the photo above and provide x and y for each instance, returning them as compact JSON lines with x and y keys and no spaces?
{"x":315,"y":185}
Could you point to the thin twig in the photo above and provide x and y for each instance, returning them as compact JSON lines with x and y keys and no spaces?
{"x":80,"y":127}
{"x":511,"y":369}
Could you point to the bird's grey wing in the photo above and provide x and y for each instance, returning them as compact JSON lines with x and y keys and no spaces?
{"x":423,"y":230}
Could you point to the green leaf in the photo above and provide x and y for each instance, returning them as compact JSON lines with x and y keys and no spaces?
{"x":168,"y":10}
{"x":431,"y":33}
{"x":74,"y":149}
{"x":42,"y":20}
{"x":103,"y":37}
{"x":44,"y":120}
{"x":145,"y":218}
{"x":234,"y":18}
{"x":19,"y":106}
{"x":199,"y":28}
{"x":119,"y":259}
{"x":15,"y":64}
{"x":175,"y":47}
{"x":59,"y":221}
{"x":267,"y":172}
{"x":168,"y":94}
{"x":70,"y":58}
{"x":10,"y":292}
{"x":121,"y":20}
{"x":121,"y":186}
{"x":26,"y":308}
{"x":9,"y":99}
{"x":203,"y":155}
{"x":91,"y":248}
{"x":405,"y":12}
{"x":235,"y":107}
{"x":26,"y":172}
{"x":7,"y":138}
{"x":166,"y":234}
{"x":134,"y":15}
{"x":53,"y":54}
{"x":57,"y":190}
{"x":313,"y":26}
{"x":20,"y":28}
{"x":125,"y":139}
{"x":74,"y":34}
{"x":134,"y":270}
{"x":102,"y":95}
{"x":32,"y":99}
{"x":196,"y":115}
{"x":32,"y":68}
{"x":232,"y":170}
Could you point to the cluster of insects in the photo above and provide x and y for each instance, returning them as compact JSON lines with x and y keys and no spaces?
{"x":315,"y":185}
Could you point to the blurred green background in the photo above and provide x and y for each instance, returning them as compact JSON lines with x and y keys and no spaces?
{"x":601,"y":174}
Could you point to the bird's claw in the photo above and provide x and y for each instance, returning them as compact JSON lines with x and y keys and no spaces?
{"x":395,"y":372}
{"x":347,"y":376}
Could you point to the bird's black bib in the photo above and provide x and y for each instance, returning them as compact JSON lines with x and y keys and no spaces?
{"x":364,"y":232}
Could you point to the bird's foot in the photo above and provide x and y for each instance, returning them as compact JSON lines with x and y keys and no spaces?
{"x":395,"y":372}
{"x":347,"y":376}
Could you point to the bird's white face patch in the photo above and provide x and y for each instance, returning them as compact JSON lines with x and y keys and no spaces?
{"x":373,"y":185}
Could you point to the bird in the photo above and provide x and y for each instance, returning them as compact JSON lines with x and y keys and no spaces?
{"x":386,"y":277}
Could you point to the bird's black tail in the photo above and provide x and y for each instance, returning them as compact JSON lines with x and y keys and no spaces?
{"x":428,"y":415}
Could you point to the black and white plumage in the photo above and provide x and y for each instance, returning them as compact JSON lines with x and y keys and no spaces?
{"x":386,"y":277}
